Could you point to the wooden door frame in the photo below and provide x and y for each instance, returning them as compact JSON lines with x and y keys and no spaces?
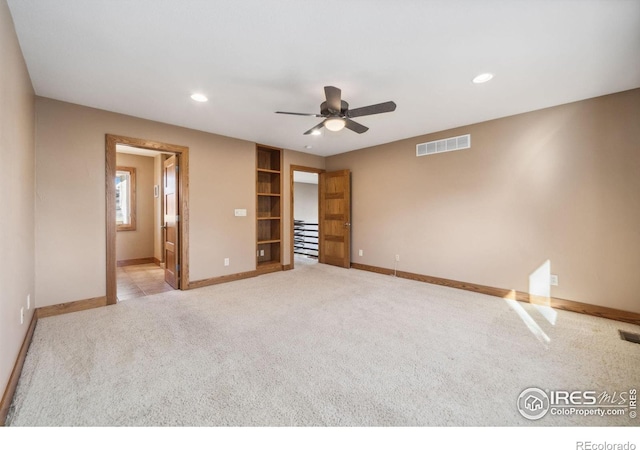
{"x":110,"y":193}
{"x":294,"y":168}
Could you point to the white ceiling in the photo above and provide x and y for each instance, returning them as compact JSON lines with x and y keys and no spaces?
{"x":253,"y":57}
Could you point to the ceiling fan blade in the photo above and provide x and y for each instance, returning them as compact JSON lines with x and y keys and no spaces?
{"x":354,"y":126}
{"x":317,"y":127}
{"x":334,"y":100}
{"x":299,"y":114}
{"x":373,"y":109}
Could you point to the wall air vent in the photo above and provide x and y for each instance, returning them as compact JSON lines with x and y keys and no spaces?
{"x":444,"y":145}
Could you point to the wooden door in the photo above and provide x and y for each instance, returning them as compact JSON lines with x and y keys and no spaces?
{"x":335,"y":218}
{"x":171,"y":218}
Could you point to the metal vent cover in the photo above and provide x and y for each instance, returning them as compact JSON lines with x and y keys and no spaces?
{"x":631,"y":337}
{"x":444,"y":145}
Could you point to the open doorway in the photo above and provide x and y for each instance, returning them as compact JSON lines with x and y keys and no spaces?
{"x":147,"y":217}
{"x":140,"y":225}
{"x":305,"y":206}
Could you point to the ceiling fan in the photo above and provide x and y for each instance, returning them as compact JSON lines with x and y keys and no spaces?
{"x":337,"y":115}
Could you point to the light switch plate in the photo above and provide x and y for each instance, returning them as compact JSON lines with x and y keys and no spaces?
{"x":241,"y":212}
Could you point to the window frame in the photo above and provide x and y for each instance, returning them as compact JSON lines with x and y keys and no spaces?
{"x":131,"y":225}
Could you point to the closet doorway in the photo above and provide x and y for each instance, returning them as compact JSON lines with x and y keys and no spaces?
{"x":305,"y":209}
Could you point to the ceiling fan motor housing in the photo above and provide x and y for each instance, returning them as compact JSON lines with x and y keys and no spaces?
{"x":324,"y":110}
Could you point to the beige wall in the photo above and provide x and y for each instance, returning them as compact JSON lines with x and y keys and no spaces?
{"x":70,"y":154}
{"x":139,"y":243}
{"x":17,"y":123}
{"x":560,"y":184}
{"x":305,"y":203}
{"x":70,"y":263}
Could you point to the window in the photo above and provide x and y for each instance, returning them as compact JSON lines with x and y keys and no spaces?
{"x":125,"y":198}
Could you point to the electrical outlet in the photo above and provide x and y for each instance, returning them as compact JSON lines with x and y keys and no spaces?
{"x":360,"y":252}
{"x":261,"y":252}
{"x":397,"y":257}
{"x":21,"y":316}
{"x":28,"y":302}
{"x":553,"y":280}
{"x":226,"y":261}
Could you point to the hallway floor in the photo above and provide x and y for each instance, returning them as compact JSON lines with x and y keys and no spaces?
{"x":140,"y":281}
{"x":303,"y":260}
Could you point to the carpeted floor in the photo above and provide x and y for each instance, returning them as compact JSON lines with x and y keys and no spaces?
{"x":317,"y":346}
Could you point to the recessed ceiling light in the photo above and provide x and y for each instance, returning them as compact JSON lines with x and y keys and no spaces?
{"x":483,"y":78}
{"x":199,"y":98}
{"x":308,"y":147}
{"x":316,"y":132}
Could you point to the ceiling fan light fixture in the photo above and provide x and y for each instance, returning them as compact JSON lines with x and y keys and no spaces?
{"x":334,"y":124}
{"x":483,"y":78}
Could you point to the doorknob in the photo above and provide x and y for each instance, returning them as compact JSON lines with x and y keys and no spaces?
{"x":347,"y":224}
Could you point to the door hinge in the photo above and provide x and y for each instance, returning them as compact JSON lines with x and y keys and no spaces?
{"x":177,"y":168}
{"x":177,"y":218}
{"x":177,"y":267}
